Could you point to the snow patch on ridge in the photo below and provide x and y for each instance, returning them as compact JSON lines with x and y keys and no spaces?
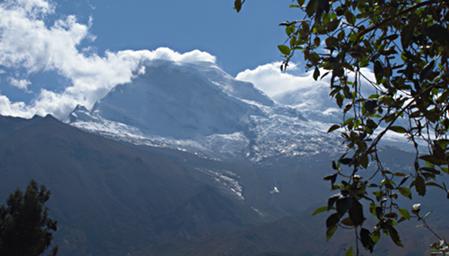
{"x":227,"y":179}
{"x":199,"y":108}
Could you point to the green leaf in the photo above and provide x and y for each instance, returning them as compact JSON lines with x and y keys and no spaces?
{"x":320,"y":210}
{"x":443,"y":143}
{"x":378,"y":71}
{"x":332,"y":178}
{"x":405,"y":192}
{"x":343,"y":205}
{"x":331,"y":201}
{"x":433,"y":159}
{"x":349,"y":252}
{"x":370,"y":106}
{"x":427,"y":70}
{"x":350,"y":17}
{"x":238,"y":5}
{"x":331,"y":42}
{"x":345,"y":161}
{"x":311,"y":7}
{"x":420,"y":185}
{"x":398,"y":129}
{"x":335,"y":165}
{"x":399,"y":174}
{"x":404,"y":213}
{"x":406,"y":36}
{"x":332,"y":220}
{"x":284,"y":49}
{"x":333,"y":128}
{"x":347,"y":222}
{"x":374,"y":96}
{"x":367,"y":241}
{"x":333,"y":25}
{"x":316,"y":73}
{"x":347,"y":108}
{"x":290,"y":29}
{"x":438,"y":33}
{"x":395,"y":236}
{"x":371,"y":124}
{"x":375,"y":236}
{"x":445,"y":169}
{"x":339,"y":99}
{"x":356,"y":213}
{"x":364,"y":161}
{"x":314,"y":57}
{"x":330,"y":232}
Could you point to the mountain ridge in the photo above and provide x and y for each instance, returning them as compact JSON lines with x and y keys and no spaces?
{"x":200,"y":108}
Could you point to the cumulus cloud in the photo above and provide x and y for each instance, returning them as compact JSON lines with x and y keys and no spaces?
{"x":271,"y":80}
{"x":31,"y":7}
{"x":296,"y":89}
{"x":7,"y":107}
{"x":28,"y":42}
{"x":164,"y":53}
{"x":21,"y":84}
{"x":290,"y":88}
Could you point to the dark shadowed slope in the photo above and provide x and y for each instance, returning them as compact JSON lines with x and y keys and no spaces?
{"x":112,"y":197}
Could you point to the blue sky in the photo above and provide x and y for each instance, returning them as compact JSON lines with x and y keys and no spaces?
{"x":239,"y":41}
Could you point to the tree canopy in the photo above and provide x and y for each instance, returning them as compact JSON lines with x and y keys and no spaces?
{"x":405,"y":43}
{"x":25,"y":228}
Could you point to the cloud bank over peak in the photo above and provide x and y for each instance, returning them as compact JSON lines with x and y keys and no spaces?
{"x":29,"y":43}
{"x":299,"y":89}
{"x":290,"y":88}
{"x":270,"y":79}
{"x":168,"y":54}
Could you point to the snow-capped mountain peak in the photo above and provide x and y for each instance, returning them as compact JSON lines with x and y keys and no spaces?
{"x":200,"y":108}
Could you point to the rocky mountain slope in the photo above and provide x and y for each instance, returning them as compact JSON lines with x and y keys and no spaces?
{"x":115,"y":198}
{"x":112,"y":197}
{"x":199,"y":108}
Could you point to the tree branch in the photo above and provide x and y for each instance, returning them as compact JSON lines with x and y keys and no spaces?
{"x":388,"y":20}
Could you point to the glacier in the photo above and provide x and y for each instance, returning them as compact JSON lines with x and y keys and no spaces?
{"x":199,"y":108}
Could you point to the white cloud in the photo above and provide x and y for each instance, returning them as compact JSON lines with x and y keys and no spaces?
{"x":21,"y":84}
{"x":298,"y":90}
{"x":31,"y":7}
{"x":272,"y":81}
{"x":8,"y":108}
{"x":287,"y":87}
{"x":27,"y":41}
{"x":164,"y":53}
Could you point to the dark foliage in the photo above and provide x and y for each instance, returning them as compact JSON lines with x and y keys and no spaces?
{"x":25,"y":228}
{"x":406,"y":44}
